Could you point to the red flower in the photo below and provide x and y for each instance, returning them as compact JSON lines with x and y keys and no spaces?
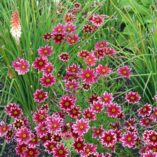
{"x":66,"y":103}
{"x":147,"y":122}
{"x":113,"y":110}
{"x":70,"y":28}
{"x":40,"y":116}
{"x":101,"y":44}
{"x":69,"y":18}
{"x":154,"y":114}
{"x":93,"y":98}
{"x":81,"y":127}
{"x":89,"y":114}
{"x":99,"y":53}
{"x":73,"y":69}
{"x":149,"y":154}
{"x":40,"y":63}
{"x":90,"y":60}
{"x":83,"y":54}
{"x":132,"y":97}
{"x":103,"y":70}
{"x":31,"y":152}
{"x":41,"y":129}
{"x":58,"y":38}
{"x":97,"y":106}
{"x":109,"y":51}
{"x":48,"y":68}
{"x":4,"y":128}
{"x":86,"y":87}
{"x":145,"y":110}
{"x":47,"y":80}
{"x":71,"y":85}
{"x":13,"y":110}
{"x":88,"y":149}
{"x":47,"y":36}
{"x":124,"y":71}
{"x":21,"y":148}
{"x":58,"y":29}
{"x":129,"y":139}
{"x":70,"y":76}
{"x":78,"y":145}
{"x":54,"y":123}
{"x":64,"y":57}
{"x":72,"y":39}
{"x":23,"y":135}
{"x":40,"y":95}
{"x":33,"y":141}
{"x":88,"y":28}
{"x":97,"y":132}
{"x":108,"y":138}
{"x":74,"y":112}
{"x":21,"y":66}
{"x":45,"y":51}
{"x":60,"y":151}
{"x":57,"y":137}
{"x":107,"y":98}
{"x":49,"y":146}
{"x":18,"y":124}
{"x":88,"y":76}
{"x":97,"y":20}
{"x":152,"y":137}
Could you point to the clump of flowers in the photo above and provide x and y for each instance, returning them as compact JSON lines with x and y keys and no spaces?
{"x":64,"y":130}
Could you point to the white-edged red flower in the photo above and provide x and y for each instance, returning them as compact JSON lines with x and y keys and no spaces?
{"x":21,"y":66}
{"x":74,"y":112}
{"x":129,"y":139}
{"x":83,"y":53}
{"x":60,"y":151}
{"x":89,"y":114}
{"x":40,"y":63}
{"x":60,"y":28}
{"x":71,"y":85}
{"x":66,"y":103}
{"x":132,"y":97}
{"x":81,"y":126}
{"x":108,"y":138}
{"x":23,"y":135}
{"x":31,"y":152}
{"x":97,"y":20}
{"x":48,"y":68}
{"x":97,"y":106}
{"x":4,"y":128}
{"x":88,"y":149}
{"x":40,"y":116}
{"x":69,"y":28}
{"x":21,"y":148}
{"x":90,"y":60}
{"x":154,"y":114}
{"x":41,"y":129}
{"x":145,"y":110}
{"x":101,"y":44}
{"x":107,"y":98}
{"x":64,"y":57}
{"x":72,"y":39}
{"x":13,"y":110}
{"x":69,"y":18}
{"x":146,"y":122}
{"x":47,"y":80}
{"x":79,"y":144}
{"x":45,"y":51}
{"x":103,"y":70}
{"x":58,"y":38}
{"x":40,"y":95}
{"x":49,"y":146}
{"x":97,"y":132}
{"x":88,"y":76}
{"x":124,"y":71}
{"x":54,"y":123}
{"x":113,"y":110}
